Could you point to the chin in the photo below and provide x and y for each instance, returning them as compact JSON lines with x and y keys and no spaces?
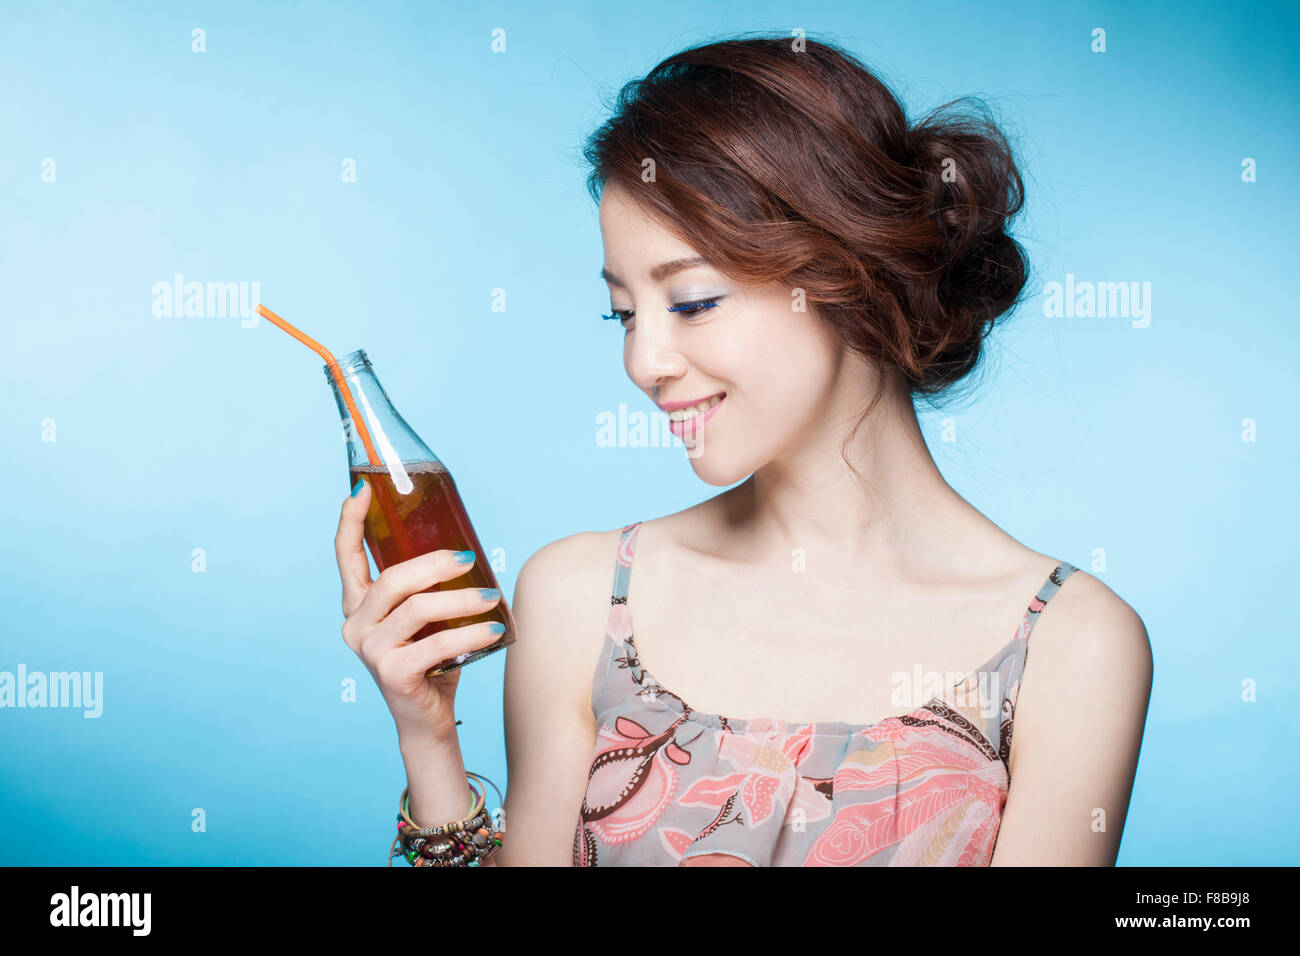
{"x":713,"y":469}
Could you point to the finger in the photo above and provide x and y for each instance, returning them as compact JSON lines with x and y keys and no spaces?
{"x":419,"y":609}
{"x":422,"y":656}
{"x":354,"y":569}
{"x":399,"y":581}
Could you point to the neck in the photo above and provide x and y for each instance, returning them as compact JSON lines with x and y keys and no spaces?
{"x":896,"y":517}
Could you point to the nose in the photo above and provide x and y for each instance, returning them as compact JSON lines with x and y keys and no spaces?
{"x":651,"y":357}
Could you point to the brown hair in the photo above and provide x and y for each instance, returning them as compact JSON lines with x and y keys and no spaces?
{"x":798,"y":166}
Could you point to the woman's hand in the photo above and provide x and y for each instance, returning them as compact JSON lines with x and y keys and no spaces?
{"x":382,"y":615}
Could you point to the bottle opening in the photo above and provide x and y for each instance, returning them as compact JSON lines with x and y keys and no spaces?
{"x":352,"y":362}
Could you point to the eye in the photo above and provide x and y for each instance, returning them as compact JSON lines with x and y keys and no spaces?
{"x":690,"y":309}
{"x":694,"y":308}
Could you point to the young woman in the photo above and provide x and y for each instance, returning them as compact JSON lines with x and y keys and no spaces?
{"x":793,"y":264}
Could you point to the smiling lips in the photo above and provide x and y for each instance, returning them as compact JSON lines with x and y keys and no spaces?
{"x":703,"y":403}
{"x":687,"y":419}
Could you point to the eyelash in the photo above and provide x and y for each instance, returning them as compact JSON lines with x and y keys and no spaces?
{"x":692,"y":309}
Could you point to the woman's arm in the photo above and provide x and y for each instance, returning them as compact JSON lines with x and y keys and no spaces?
{"x":1078,"y":729}
{"x":561,"y":607}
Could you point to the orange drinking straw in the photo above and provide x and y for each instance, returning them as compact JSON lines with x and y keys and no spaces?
{"x":389,"y":508}
{"x":337,"y":372}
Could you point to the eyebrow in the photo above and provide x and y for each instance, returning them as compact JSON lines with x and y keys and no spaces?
{"x":661,"y":271}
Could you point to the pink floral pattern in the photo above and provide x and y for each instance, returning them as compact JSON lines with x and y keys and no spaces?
{"x":672,"y":786}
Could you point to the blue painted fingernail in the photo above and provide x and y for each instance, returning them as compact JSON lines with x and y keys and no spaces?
{"x":496,"y":627}
{"x":489,"y":594}
{"x":357,"y":487}
{"x":464,"y":557}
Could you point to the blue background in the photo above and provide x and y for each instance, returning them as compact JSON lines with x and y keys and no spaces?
{"x":222,"y":688}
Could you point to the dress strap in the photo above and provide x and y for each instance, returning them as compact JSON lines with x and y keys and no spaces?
{"x":1050,"y":587}
{"x":623,"y":565}
{"x":1020,"y":651}
{"x":607,"y":693}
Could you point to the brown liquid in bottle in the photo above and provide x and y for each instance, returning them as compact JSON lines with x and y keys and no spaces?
{"x":433,"y":517}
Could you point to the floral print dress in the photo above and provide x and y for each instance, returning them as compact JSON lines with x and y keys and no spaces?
{"x":671,"y":786}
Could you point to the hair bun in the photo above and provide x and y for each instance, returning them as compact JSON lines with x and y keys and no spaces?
{"x":971,"y":188}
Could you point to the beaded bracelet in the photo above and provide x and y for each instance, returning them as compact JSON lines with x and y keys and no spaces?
{"x":466,"y":845}
{"x":407,"y":831}
{"x":418,"y":844}
{"x":404,"y":815}
{"x":466,"y":842}
{"x":480,"y":844}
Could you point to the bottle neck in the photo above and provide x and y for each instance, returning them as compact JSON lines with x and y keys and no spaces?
{"x":394,"y":442}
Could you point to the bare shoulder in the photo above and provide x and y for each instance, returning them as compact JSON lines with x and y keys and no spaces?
{"x":561,"y":605}
{"x":1079,"y":718}
{"x":1088,"y":666}
{"x":568,"y":564}
{"x":1088,"y":633}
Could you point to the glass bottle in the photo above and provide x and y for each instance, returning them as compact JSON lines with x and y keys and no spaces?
{"x":414,"y":505}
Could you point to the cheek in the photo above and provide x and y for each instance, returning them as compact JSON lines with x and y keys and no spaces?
{"x":782,"y":365}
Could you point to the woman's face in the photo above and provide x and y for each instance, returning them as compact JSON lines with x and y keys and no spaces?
{"x":777,"y":368}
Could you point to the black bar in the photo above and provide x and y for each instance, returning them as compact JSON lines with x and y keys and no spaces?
{"x":402,"y":904}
